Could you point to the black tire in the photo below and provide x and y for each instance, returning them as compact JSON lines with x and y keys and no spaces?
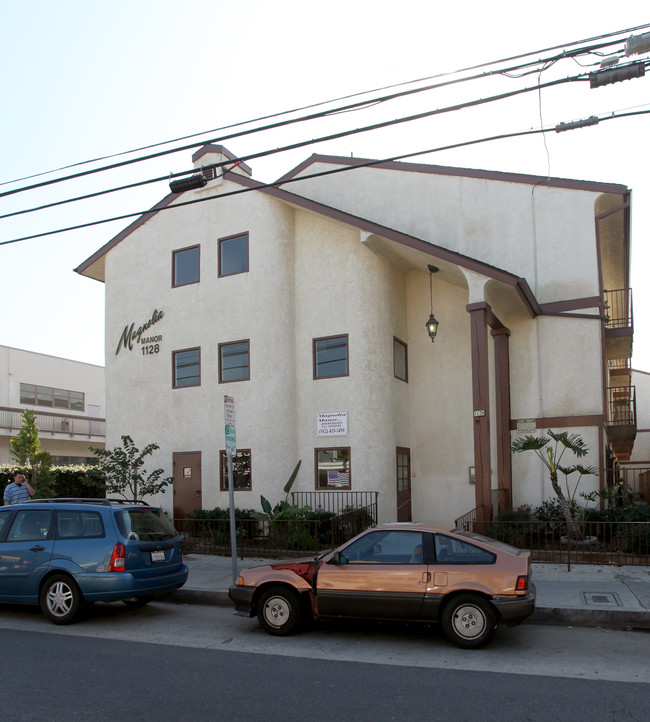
{"x":137,"y":602}
{"x":469,"y":621}
{"x":61,"y":599}
{"x":278,"y":611}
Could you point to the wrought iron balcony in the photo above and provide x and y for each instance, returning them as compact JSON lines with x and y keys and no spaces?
{"x":619,"y":323}
{"x":621,"y":420}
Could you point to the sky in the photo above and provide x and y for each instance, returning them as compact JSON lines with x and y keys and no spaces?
{"x":84,"y":80}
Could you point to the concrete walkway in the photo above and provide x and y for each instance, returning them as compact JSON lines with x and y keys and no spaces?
{"x":587,"y":596}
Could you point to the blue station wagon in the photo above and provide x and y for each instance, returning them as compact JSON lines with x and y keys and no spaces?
{"x":62,"y":553}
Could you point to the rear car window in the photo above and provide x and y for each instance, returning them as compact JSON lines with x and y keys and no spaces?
{"x":79,"y":524}
{"x":487,"y":540}
{"x":456,"y":551}
{"x":144,"y":524}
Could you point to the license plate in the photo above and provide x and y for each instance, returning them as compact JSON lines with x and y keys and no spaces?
{"x":157,"y":556}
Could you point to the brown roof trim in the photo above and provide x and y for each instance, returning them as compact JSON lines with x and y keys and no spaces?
{"x":494,"y":175}
{"x":563,"y":422}
{"x":571,"y":305}
{"x":126,"y":232}
{"x":206,"y":149}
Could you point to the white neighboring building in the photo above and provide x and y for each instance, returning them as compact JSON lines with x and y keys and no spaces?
{"x":66,"y":396}
{"x":307,"y":304}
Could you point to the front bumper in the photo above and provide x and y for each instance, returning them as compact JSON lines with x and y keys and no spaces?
{"x":514,"y":611}
{"x":243,"y":598}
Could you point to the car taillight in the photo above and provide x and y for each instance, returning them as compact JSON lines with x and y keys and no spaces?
{"x":522,"y":583}
{"x":118,"y":558}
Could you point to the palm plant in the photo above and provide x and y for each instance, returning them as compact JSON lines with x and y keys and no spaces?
{"x":550,"y":451}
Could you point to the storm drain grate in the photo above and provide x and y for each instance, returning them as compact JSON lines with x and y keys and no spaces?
{"x":601,"y":598}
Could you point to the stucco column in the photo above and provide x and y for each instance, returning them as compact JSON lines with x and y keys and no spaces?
{"x":502,"y":394}
{"x":481,"y":403}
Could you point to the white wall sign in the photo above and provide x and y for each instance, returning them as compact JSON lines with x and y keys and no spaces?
{"x":333,"y":423}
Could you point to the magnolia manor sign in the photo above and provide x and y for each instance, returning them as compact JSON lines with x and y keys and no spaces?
{"x":150,"y":343}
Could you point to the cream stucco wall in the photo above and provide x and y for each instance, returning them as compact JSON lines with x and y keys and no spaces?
{"x":543,"y":234}
{"x":311,"y":276}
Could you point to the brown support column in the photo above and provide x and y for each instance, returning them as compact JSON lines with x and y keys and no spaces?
{"x":481,"y":402}
{"x":502,"y":393}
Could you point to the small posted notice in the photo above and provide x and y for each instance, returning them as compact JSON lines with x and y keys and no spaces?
{"x":333,"y":423}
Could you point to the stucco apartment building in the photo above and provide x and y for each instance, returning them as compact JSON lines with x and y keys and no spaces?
{"x":307,"y":303}
{"x":66,"y":396}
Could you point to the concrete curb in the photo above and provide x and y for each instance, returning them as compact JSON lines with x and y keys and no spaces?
{"x":563,"y":617}
{"x":611,"y":619}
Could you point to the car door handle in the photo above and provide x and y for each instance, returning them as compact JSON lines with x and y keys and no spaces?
{"x":37,"y":548}
{"x":426,"y":577}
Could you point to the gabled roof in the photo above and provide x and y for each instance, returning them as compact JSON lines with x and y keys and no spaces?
{"x":363,"y":224}
{"x":493,"y":175}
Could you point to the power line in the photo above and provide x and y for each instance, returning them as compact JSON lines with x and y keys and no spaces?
{"x":278,"y":184}
{"x":301,"y":144}
{"x":322,"y":114}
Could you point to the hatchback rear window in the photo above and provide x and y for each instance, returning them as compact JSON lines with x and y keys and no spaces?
{"x":144,"y":524}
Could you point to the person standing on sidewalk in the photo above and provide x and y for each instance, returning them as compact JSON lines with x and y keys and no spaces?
{"x":18,"y":490}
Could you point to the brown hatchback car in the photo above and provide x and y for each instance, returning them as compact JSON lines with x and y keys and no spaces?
{"x":399,"y":572}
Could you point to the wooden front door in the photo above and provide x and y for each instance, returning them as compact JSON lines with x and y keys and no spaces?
{"x":187,"y":483}
{"x":403,"y":477}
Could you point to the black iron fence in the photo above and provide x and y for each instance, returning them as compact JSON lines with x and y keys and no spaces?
{"x":550,"y":542}
{"x":275,"y":538}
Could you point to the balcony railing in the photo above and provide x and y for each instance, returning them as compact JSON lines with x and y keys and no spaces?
{"x":618,"y":309}
{"x":621,"y":406}
{"x":51,"y":423}
{"x":336,"y":501}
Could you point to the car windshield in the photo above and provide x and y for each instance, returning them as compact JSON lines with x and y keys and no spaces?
{"x":144,"y":524}
{"x":486,"y":540}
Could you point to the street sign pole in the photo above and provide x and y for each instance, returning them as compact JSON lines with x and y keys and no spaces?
{"x":231,"y":450}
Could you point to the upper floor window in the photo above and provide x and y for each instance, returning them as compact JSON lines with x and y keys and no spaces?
{"x":187,"y":367}
{"x":55,"y":398}
{"x":234,"y":361}
{"x":233,"y":255}
{"x":330,"y":356}
{"x":400,"y":360}
{"x":185,"y":266}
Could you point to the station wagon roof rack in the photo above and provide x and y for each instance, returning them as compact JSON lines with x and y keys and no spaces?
{"x":86,"y":500}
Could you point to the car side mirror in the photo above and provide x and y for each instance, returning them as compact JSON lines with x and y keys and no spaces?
{"x":337,"y":558}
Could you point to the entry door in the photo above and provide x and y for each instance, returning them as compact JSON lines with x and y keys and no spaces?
{"x":187,"y":483}
{"x":403,"y":476}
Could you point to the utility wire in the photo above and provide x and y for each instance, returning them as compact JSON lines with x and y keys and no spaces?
{"x":321,"y":114}
{"x":281,"y":182}
{"x":301,"y":144}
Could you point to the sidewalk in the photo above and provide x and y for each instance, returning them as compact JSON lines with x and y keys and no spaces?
{"x":587,"y":596}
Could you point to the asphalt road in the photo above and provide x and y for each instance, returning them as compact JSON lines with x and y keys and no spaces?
{"x":176,"y":662}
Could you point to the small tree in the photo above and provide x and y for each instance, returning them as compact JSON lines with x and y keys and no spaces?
{"x":551,"y":456}
{"x":124,"y":472}
{"x":25,"y":451}
{"x":26,"y":444}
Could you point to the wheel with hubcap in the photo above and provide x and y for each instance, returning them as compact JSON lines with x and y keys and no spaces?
{"x":278,"y":611}
{"x":469,"y":621}
{"x":61,"y":599}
